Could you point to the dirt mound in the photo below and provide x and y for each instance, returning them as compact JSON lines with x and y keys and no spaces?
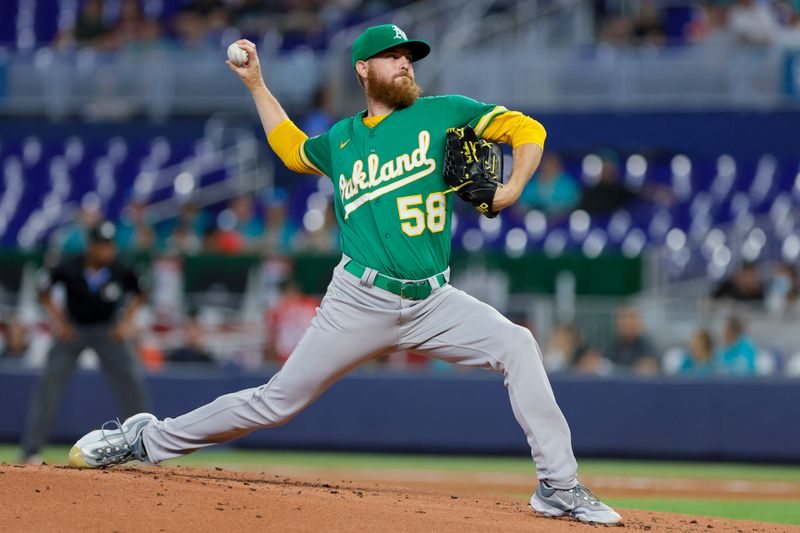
{"x":52,"y":498}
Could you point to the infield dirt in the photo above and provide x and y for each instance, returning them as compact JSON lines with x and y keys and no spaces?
{"x":55,"y":498}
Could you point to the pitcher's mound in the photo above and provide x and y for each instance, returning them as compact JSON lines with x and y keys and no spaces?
{"x":52,"y":498}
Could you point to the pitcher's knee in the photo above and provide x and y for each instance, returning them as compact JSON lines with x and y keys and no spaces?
{"x":278,"y":404}
{"x":522,"y":337}
{"x":519,"y":343}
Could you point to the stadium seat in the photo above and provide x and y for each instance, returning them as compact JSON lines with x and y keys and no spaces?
{"x":681,"y":177}
{"x":618,"y":225}
{"x":31,"y":151}
{"x":73,"y":151}
{"x":117,"y":150}
{"x":536,"y":224}
{"x":769,"y":362}
{"x":709,"y":193}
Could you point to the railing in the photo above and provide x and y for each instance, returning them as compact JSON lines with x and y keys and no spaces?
{"x":224,"y":146}
{"x":158,"y":83}
{"x":510,"y":69}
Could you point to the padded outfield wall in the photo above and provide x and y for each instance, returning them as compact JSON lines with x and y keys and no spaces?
{"x":470,"y":413}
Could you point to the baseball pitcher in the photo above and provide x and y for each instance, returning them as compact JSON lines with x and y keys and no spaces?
{"x":394,"y":193}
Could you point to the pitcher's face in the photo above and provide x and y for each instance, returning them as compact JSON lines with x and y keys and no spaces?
{"x":390,"y":78}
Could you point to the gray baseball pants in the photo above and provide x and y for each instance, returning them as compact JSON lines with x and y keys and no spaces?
{"x":358,"y":321}
{"x":117,"y":362}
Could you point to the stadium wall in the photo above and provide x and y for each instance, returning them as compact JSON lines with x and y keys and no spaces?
{"x":607,"y":275}
{"x":702,"y":133}
{"x":372,"y":410}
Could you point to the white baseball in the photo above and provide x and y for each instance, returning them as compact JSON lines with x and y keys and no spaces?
{"x":237,"y":56}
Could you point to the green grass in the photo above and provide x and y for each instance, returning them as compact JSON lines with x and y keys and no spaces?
{"x":780,"y":511}
{"x":264,"y":458}
{"x":673,"y":469}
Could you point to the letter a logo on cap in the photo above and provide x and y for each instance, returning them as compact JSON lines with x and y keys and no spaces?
{"x":399,"y":34}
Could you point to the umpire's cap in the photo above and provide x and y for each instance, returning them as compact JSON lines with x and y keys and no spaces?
{"x":377,"y":39}
{"x":103,"y":232}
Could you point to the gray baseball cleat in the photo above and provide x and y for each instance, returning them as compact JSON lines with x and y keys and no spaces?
{"x":577,"y":502}
{"x":113,"y":446}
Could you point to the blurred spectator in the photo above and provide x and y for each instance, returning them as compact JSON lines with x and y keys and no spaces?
{"x":320,"y":118}
{"x":238,"y":228}
{"x":185,"y":234}
{"x":128,"y":28}
{"x":302,"y":26}
{"x":744,"y":285}
{"x":782,"y":291}
{"x":321,"y":232}
{"x":568,"y":351}
{"x":254,"y":16}
{"x":217,"y":18}
{"x":73,"y":236}
{"x":288,"y":321}
{"x":190,"y":25}
{"x":790,"y":35}
{"x":648,"y":30}
{"x":709,"y":26}
{"x":279,"y":231}
{"x":204,"y":24}
{"x":737,"y":357}
{"x":793,"y":366}
{"x":631,"y":348}
{"x":753,"y":23}
{"x":699,"y":358}
{"x":134,"y":232}
{"x":248,"y":224}
{"x":608,"y":194}
{"x":90,"y":29}
{"x":193,"y":349}
{"x":552,"y":189}
{"x":13,"y":340}
{"x":95,"y":285}
{"x":616,"y":32}
{"x":151,"y":37}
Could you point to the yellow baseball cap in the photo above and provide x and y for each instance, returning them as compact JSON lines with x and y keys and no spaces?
{"x":377,"y":39}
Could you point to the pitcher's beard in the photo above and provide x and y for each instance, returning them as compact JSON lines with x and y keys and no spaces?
{"x":397,"y":95}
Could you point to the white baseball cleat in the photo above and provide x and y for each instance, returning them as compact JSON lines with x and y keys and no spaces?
{"x":577,"y":502}
{"x":112,"y":446}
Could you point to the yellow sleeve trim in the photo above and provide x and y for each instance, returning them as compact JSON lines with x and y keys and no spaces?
{"x":307,"y":161}
{"x":485,"y":119}
{"x":287,"y":140}
{"x":516,"y":129}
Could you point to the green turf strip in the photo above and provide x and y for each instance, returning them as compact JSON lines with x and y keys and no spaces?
{"x":670,"y":469}
{"x":246,"y":458}
{"x":255,"y":459}
{"x":779,"y":511}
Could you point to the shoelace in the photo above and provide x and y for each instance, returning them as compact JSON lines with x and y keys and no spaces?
{"x":115,"y":454}
{"x":585,"y":494}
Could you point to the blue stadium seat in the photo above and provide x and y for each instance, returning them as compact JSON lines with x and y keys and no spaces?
{"x":709,"y":192}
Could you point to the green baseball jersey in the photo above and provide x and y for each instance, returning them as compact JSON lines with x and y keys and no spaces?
{"x":390,"y":197}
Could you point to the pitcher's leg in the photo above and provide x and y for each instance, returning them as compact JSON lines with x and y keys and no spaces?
{"x":458,"y":328}
{"x":345,"y":333}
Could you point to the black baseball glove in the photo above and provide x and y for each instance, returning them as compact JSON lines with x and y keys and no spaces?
{"x":473,"y":168}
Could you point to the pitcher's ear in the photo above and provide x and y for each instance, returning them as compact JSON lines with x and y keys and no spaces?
{"x":361,"y":71}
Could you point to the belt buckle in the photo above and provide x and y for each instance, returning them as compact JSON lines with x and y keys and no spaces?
{"x":415,"y":290}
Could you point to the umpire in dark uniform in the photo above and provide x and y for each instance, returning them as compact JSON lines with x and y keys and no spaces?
{"x":96,"y":286}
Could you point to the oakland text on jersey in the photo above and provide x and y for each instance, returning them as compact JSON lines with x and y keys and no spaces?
{"x":376,"y":174}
